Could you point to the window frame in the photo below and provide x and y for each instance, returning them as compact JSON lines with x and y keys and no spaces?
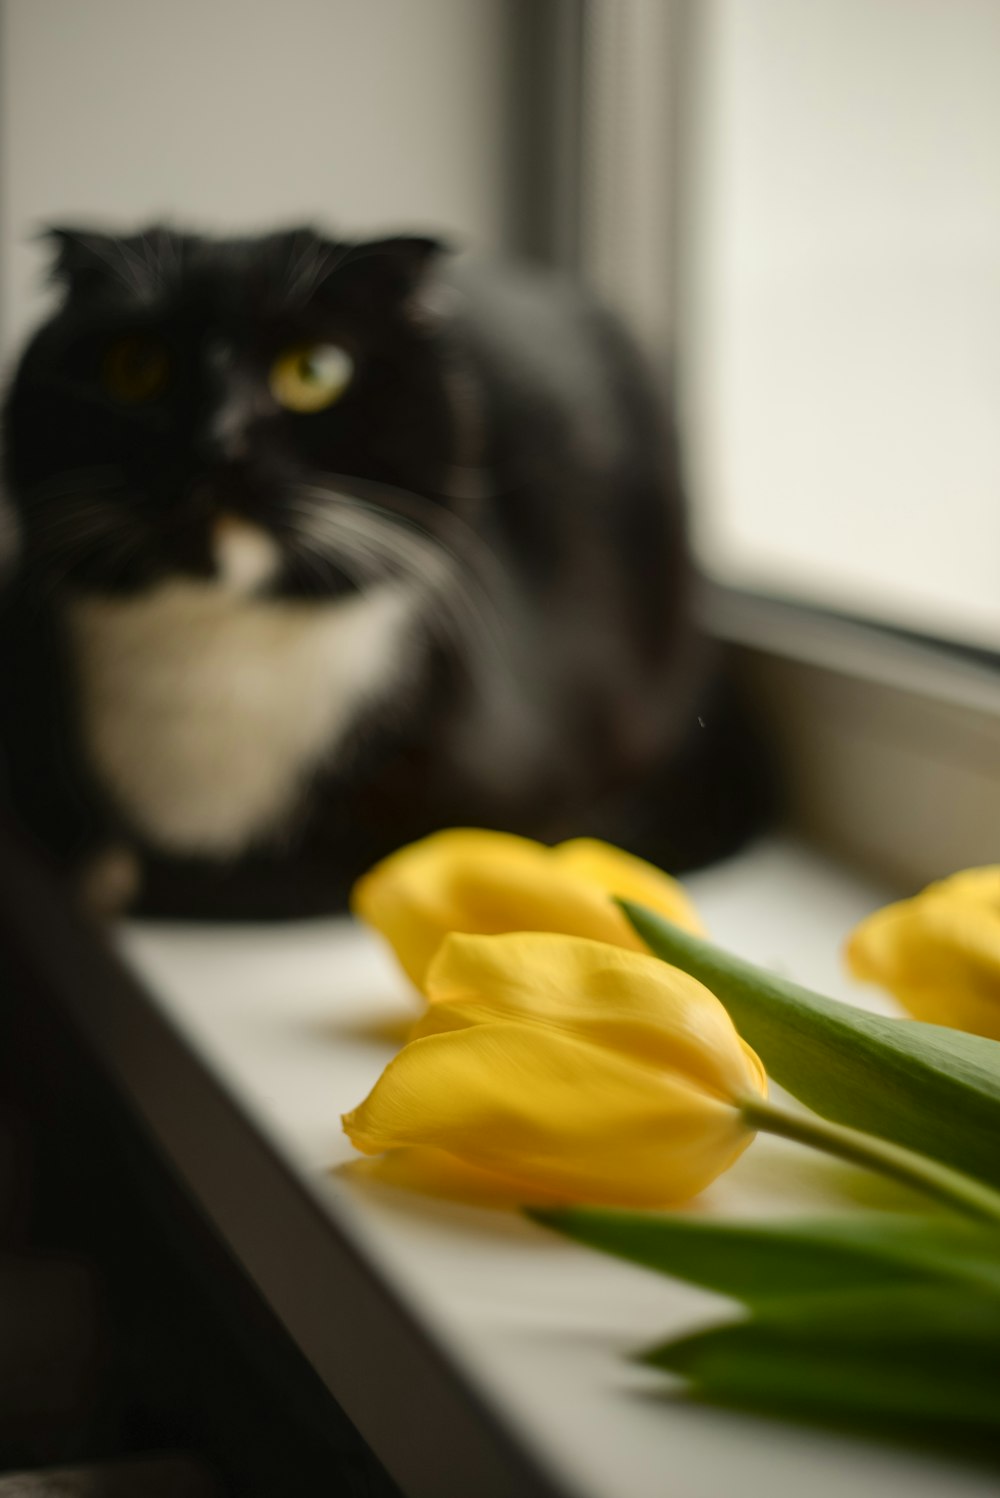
{"x":872,"y":722}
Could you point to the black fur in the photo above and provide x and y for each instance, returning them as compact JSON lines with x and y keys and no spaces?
{"x":500,"y":432}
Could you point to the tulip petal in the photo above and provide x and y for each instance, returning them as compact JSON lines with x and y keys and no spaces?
{"x":629,"y":878}
{"x":971,"y":886}
{"x":939,"y":953}
{"x":487,"y":882}
{"x":557,"y":1116}
{"x":431,"y":1172}
{"x":929,"y":1088}
{"x":629,"y":1003}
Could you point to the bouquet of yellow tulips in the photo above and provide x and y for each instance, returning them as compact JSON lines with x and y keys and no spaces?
{"x":587,"y":1051}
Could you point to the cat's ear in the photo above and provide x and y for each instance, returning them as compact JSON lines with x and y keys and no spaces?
{"x":80,"y":258}
{"x":87,"y":261}
{"x":385,"y":273}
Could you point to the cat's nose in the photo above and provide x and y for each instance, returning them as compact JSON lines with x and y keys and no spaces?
{"x":230,"y":428}
{"x":223,"y":485}
{"x":228,"y":431}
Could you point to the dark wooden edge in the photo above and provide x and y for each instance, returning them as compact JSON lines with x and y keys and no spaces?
{"x":432,"y":1430}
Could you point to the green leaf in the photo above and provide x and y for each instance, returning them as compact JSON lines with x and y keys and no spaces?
{"x":758,"y":1262}
{"x":930,"y":1088}
{"x":919,"y":1357}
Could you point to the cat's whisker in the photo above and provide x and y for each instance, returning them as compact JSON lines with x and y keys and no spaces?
{"x":369,"y":531}
{"x":312,"y":266}
{"x":338,"y":549}
{"x":344,"y":520}
{"x":77,"y":481}
{"x":71,"y":507}
{"x":122,"y":550}
{"x":122,"y":263}
{"x":386,"y":553}
{"x":324,"y":569}
{"x":428,"y":516}
{"x":161,"y":256}
{"x":473,"y":559}
{"x":415,"y":515}
{"x":384,"y":542}
{"x":74,"y":518}
{"x":331,"y":521}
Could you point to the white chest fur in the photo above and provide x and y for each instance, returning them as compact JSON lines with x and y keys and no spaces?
{"x":206,"y":712}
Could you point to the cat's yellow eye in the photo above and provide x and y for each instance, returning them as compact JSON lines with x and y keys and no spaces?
{"x":136,"y":368}
{"x":311,"y":376}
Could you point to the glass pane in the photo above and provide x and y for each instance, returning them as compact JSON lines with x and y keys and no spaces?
{"x":841,"y":308}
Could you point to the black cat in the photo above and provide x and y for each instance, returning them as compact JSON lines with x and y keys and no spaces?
{"x":322,"y":546}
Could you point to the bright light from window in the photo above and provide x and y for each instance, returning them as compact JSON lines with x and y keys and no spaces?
{"x":841,"y":309}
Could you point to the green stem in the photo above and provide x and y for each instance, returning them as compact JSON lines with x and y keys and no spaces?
{"x":892,"y":1160}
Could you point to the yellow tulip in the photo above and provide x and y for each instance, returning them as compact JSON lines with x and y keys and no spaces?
{"x":487,"y":883}
{"x":568,"y":1070}
{"x":939,"y":953}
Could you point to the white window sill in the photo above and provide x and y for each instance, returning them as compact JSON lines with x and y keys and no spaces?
{"x":287,"y":1019}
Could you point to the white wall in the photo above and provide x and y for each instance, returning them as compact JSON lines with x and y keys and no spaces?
{"x":842,"y":303}
{"x":246,"y":113}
